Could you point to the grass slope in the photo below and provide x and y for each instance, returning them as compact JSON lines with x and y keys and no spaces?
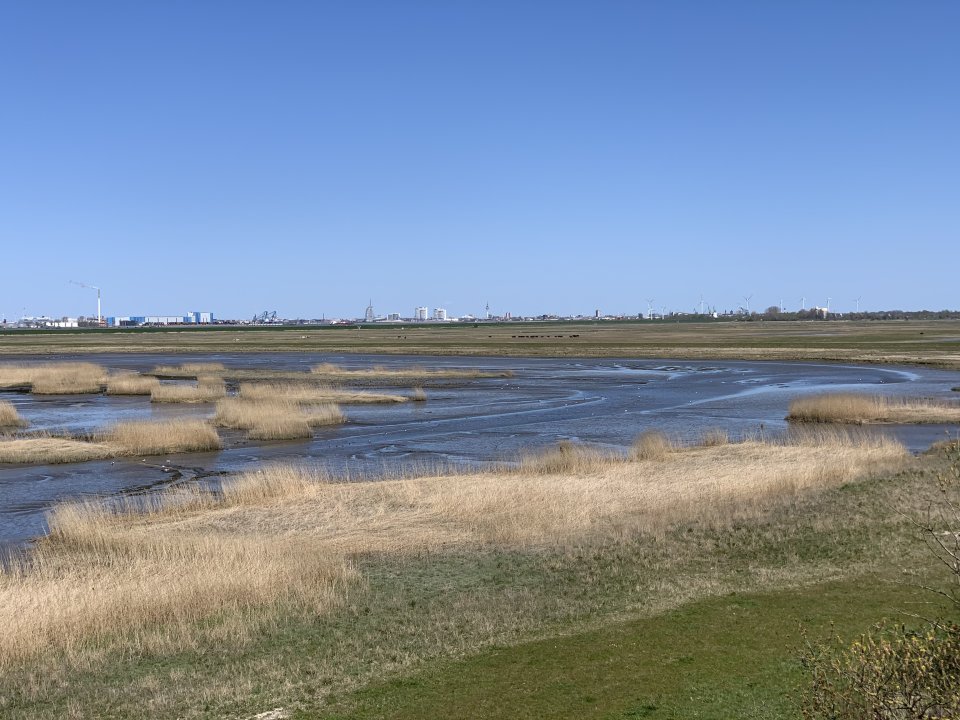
{"x":724,"y":657}
{"x":413,"y":630}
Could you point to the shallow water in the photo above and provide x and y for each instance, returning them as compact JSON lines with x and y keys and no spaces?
{"x":472,"y":422}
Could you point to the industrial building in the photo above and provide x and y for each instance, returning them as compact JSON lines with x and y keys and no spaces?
{"x":440,"y":314}
{"x":421,"y":313}
{"x":191,"y":318}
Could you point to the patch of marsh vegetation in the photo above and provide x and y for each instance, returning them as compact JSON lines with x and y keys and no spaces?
{"x":858,"y":409}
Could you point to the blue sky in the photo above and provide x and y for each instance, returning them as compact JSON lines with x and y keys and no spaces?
{"x":540,"y":156}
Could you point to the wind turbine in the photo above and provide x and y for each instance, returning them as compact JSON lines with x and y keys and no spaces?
{"x":91,"y":287}
{"x":650,"y":308}
{"x":747,"y":299}
{"x":858,"y":303}
{"x":701,"y":303}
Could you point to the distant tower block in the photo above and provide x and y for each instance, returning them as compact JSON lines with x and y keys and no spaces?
{"x":439,"y":314}
{"x":369,"y":315}
{"x":421,"y":313}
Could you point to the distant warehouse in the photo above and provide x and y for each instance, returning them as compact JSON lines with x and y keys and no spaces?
{"x":192,"y":318}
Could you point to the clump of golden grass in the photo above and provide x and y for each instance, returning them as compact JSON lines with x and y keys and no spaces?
{"x":651,"y":445}
{"x":418,"y":395}
{"x":52,"y":450}
{"x":305,"y":394}
{"x":199,"y":567}
{"x":147,"y":437}
{"x":860,"y":409}
{"x":131,"y":384}
{"x":207,"y":389}
{"x":9,"y":417}
{"x":565,"y":457}
{"x":332,"y":371}
{"x":189,"y":369}
{"x":274,"y":419}
{"x":714,"y":437}
{"x":144,"y":437}
{"x":70,"y":378}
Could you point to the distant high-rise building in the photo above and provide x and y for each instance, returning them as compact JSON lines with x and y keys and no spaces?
{"x":369,"y":316}
{"x":439,"y":314}
{"x":421,"y":313}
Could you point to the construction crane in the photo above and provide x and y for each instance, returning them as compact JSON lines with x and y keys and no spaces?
{"x":91,"y":287}
{"x":267,"y":316}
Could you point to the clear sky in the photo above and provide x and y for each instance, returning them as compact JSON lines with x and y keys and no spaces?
{"x":547,"y":156}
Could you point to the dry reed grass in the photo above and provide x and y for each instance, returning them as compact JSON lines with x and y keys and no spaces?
{"x":858,"y":409}
{"x":714,"y":438}
{"x":71,"y":378}
{"x":328,"y":373}
{"x":144,"y":437}
{"x":52,"y":451}
{"x":131,"y":384}
{"x":209,"y":565}
{"x":565,"y":457}
{"x":207,"y":389}
{"x":9,"y":417}
{"x":652,"y":445}
{"x":275,"y":419}
{"x":189,"y":369}
{"x":15,"y":375}
{"x":418,"y":395}
{"x":305,"y":394}
{"x":93,"y":584}
{"x":336,"y":372}
{"x":148,"y":437}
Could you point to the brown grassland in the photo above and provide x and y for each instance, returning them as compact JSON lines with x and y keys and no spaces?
{"x":326,"y":375}
{"x":131,"y":384}
{"x":271,"y":419}
{"x":36,"y":450}
{"x":204,"y":567}
{"x":150,"y":437}
{"x":71,"y":378}
{"x":132,"y":438}
{"x":305,"y":394}
{"x":208,"y":389}
{"x":860,"y":409}
{"x":331,"y":372}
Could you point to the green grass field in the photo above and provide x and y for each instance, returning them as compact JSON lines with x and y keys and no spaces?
{"x":733,"y":656}
{"x":934,"y":342}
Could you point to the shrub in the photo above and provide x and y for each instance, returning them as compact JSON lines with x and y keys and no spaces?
{"x":898,"y":673}
{"x":888,"y":674}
